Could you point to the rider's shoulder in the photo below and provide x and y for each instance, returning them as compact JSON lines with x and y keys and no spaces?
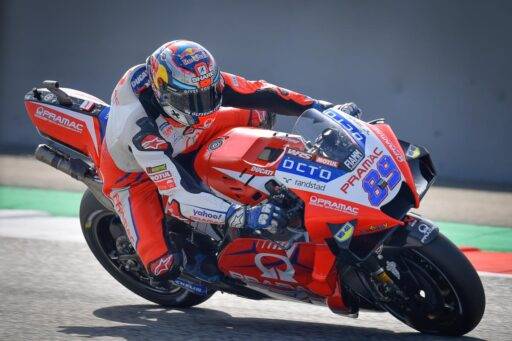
{"x":232,"y":80}
{"x":134,"y":81}
{"x":240,"y":84}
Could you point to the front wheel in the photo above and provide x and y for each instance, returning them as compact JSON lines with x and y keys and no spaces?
{"x":444,"y":294}
{"x":107,"y":240}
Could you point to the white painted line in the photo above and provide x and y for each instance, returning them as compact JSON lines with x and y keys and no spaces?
{"x":41,"y":227}
{"x":493,"y":274}
{"x":22,"y":213}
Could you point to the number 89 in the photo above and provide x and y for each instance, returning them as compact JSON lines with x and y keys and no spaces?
{"x":372,"y":182}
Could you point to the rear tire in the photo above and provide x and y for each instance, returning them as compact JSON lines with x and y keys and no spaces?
{"x":95,"y":221}
{"x":446,"y":286}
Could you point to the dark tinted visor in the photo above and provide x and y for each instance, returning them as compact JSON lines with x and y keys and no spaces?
{"x":194,"y":102}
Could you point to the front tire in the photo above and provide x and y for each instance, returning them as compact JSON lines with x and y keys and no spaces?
{"x":98,"y":227}
{"x":446,"y":293}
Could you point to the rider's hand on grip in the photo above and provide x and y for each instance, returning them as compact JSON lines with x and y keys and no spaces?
{"x":261,"y":217}
{"x":350,"y":108}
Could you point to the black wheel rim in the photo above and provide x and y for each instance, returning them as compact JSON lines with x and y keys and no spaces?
{"x":433,"y":303}
{"x":106,"y":242}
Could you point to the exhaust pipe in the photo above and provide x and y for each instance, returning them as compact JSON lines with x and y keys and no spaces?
{"x":75,"y":168}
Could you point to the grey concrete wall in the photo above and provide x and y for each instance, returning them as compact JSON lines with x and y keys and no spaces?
{"x":439,"y":71}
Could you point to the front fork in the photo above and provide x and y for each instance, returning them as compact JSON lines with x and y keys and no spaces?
{"x":416,"y":232}
{"x":384,"y":288}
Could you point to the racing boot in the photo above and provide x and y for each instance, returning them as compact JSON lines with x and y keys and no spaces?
{"x":166,"y":268}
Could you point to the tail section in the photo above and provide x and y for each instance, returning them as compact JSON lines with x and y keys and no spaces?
{"x":78,"y":122}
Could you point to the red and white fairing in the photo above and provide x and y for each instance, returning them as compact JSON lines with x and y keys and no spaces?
{"x":237,"y":164}
{"x":77,"y":129}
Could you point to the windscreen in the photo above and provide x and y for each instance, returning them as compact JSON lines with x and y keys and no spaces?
{"x":325,"y":137}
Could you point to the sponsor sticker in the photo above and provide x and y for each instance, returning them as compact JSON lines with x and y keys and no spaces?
{"x":413,"y":152}
{"x":393,"y":268}
{"x":202,"y":77}
{"x":345,"y":232}
{"x":87,"y":105}
{"x":194,"y":287}
{"x":332,"y":205}
{"x":327,"y":162}
{"x":190,"y":56}
{"x":376,"y":228}
{"x":59,"y":119}
{"x":207,"y":216}
{"x":156,"y":169}
{"x":422,"y":229}
{"x":306,"y":169}
{"x":308,"y":184}
{"x":299,"y":153}
{"x":262,"y":171}
{"x":274,"y":270}
{"x":162,"y":265}
{"x":153,"y":142}
{"x":49,"y":97}
{"x":425,"y":230}
{"x":163,"y":180}
{"x":353,"y":160}
{"x":215,"y":144}
{"x":396,"y":152}
{"x":363,"y":168}
{"x":166,"y":130}
{"x":139,"y":80}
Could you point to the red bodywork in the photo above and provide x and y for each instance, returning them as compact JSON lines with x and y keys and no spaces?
{"x":306,"y":267}
{"x":252,"y":156}
{"x":76,"y":129}
{"x":241,"y":150}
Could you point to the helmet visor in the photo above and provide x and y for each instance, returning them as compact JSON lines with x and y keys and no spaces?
{"x":194,"y":102}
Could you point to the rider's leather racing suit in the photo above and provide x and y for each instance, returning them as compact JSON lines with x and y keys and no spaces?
{"x":138,"y":159}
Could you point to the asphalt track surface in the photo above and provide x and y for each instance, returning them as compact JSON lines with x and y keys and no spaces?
{"x":52,"y":288}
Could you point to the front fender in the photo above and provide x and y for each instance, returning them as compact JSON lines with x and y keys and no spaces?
{"x":416,"y":232}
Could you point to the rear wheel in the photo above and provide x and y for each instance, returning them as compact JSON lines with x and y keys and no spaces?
{"x":106,"y":238}
{"x":444,"y":293}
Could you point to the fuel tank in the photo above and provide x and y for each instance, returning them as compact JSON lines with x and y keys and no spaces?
{"x":238,"y":162}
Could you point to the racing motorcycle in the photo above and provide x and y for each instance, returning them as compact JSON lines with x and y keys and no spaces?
{"x":347,"y":186}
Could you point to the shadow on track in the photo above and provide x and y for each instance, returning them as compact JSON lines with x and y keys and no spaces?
{"x":155,"y":322}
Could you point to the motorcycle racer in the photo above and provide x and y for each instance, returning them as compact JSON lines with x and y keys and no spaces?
{"x":167,"y":108}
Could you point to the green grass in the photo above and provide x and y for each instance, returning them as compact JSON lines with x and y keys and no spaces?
{"x":67,"y":204}
{"x":58,"y":203}
{"x":490,"y":238}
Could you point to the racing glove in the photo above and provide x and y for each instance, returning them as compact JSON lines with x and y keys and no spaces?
{"x":349,"y":108}
{"x":267,"y":217}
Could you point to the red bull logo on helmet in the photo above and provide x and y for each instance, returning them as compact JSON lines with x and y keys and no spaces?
{"x":191,"y":55}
